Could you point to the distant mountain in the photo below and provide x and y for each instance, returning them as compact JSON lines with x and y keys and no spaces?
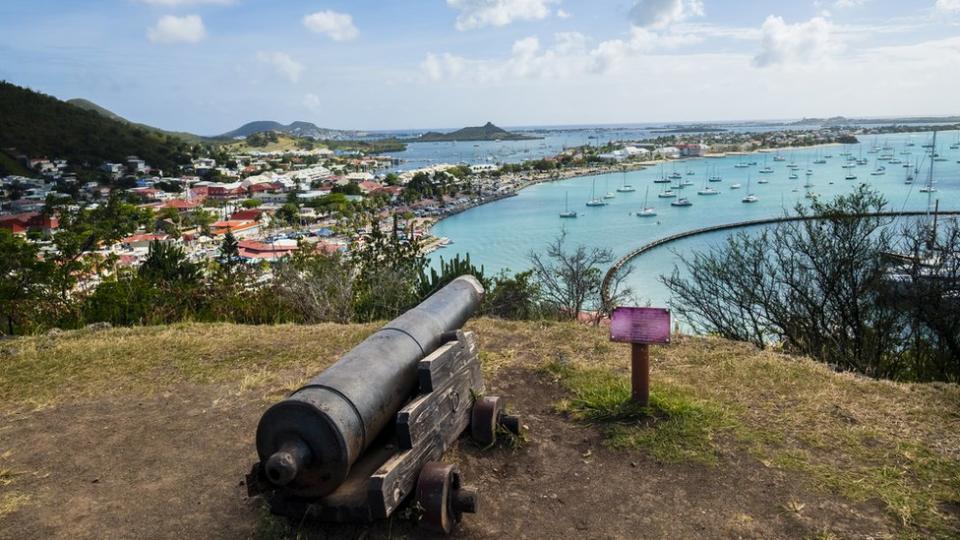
{"x":106,"y":113}
{"x":486,"y":132}
{"x":38,"y":125}
{"x":296,"y":129}
{"x":843,"y":121}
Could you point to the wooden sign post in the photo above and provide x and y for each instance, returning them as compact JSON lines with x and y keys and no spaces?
{"x":640,"y":327}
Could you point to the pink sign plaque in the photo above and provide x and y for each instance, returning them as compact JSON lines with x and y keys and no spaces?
{"x":640,"y":325}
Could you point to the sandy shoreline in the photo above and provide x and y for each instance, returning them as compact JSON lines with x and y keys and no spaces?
{"x":533,"y":179}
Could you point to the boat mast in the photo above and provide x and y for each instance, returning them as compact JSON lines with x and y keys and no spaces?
{"x":933,"y":152}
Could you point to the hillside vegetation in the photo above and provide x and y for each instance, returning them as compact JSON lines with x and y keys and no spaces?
{"x":103,"y":111}
{"x":158,"y":423}
{"x":38,"y":125}
{"x":486,"y":132}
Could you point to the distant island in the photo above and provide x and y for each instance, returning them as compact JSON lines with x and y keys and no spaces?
{"x":843,"y":121}
{"x":486,"y":132}
{"x":699,"y":128}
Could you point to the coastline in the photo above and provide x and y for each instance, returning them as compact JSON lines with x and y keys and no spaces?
{"x":539,"y":178}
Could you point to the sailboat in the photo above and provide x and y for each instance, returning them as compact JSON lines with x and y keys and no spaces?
{"x":663,"y":177}
{"x":647,"y":210}
{"x":567,"y":213}
{"x":609,"y":194}
{"x":594,"y":201}
{"x":879,"y":170}
{"x":929,"y":189}
{"x":750,"y":198}
{"x":716,"y":177}
{"x":766,"y":169}
{"x":625,"y":187}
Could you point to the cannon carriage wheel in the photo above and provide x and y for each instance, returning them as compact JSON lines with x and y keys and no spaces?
{"x":442,"y":496}
{"x":489,"y":413}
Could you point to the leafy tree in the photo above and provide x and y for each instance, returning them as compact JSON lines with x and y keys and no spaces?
{"x":387,"y":265}
{"x":428,"y":284}
{"x":814,"y":286}
{"x":24,"y":281}
{"x":230,"y":250}
{"x":166,"y":263}
{"x":513,"y":297}
{"x":347,"y":189}
{"x":316,"y":287}
{"x":392,"y":179}
{"x":289,"y":213}
{"x":251,"y":203}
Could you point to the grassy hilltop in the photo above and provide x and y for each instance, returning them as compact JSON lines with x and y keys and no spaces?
{"x":148,"y":431}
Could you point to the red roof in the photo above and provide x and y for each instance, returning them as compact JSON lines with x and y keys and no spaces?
{"x":181,"y":204}
{"x":30,"y":220}
{"x":252,"y":213}
{"x":221,"y":227}
{"x":368,"y":186}
{"x":14,"y":227}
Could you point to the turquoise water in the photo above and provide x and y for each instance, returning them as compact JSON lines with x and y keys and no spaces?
{"x":501,"y":235}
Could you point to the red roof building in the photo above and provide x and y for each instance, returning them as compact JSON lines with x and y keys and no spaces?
{"x":29,"y":221}
{"x":237,"y":227}
{"x":182,"y":205}
{"x":248,"y":214}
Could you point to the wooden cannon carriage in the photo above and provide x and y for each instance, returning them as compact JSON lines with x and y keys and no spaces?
{"x":369,"y":432}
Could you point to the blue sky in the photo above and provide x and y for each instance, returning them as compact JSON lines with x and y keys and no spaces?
{"x":208,"y":66}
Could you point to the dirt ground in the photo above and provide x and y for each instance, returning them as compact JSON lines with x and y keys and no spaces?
{"x":172,"y":467}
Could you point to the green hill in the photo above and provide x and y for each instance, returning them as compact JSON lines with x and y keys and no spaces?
{"x":486,"y":132}
{"x":106,"y":113}
{"x":39,"y":125}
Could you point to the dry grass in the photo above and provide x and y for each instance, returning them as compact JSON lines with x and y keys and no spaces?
{"x":864,"y":439}
{"x":47,"y":369}
{"x":898,"y":443}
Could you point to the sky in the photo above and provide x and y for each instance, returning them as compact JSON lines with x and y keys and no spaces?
{"x":208,"y":66}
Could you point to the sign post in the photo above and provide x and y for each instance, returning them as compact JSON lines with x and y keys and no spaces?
{"x":640,"y":327}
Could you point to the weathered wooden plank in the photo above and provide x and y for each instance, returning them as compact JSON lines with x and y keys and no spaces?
{"x":439,"y":366}
{"x":446,"y":410}
{"x":397,"y":478}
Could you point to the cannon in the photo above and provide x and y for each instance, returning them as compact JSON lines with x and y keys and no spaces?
{"x":366,"y":433}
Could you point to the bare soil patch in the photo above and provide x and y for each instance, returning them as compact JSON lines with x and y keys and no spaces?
{"x":171,"y":465}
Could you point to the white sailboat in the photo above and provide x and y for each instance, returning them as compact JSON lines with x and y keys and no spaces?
{"x":647,"y":211}
{"x":594,"y":201}
{"x":624,"y":186}
{"x":567,"y":213}
{"x":750,"y":198}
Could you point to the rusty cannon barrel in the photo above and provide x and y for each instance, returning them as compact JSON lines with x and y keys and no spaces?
{"x":308,"y":442}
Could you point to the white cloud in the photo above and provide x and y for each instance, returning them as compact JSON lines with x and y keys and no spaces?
{"x":568,"y":57}
{"x":843,"y":4}
{"x":179,"y":3}
{"x":481,"y":13}
{"x":662,"y":13}
{"x":337,"y":26}
{"x":949,"y":6}
{"x":312,"y":102}
{"x":282,"y":63}
{"x":172,"y":29}
{"x":805,"y":42}
{"x":563,"y":14}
